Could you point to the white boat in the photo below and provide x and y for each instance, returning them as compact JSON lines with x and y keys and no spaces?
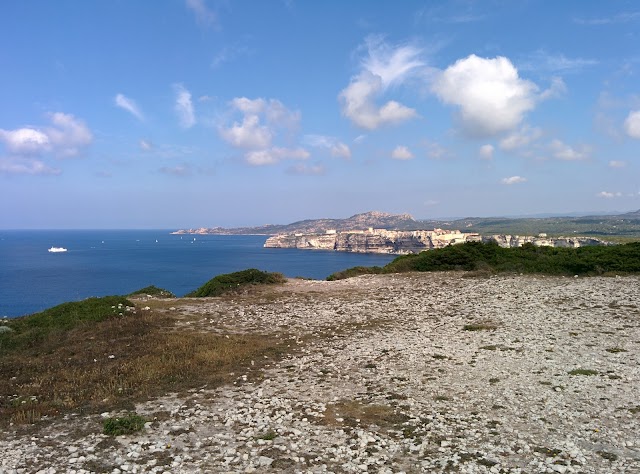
{"x":57,"y":249}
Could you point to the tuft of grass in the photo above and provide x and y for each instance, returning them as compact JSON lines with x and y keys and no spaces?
{"x":615,"y":350}
{"x":124,"y":425}
{"x":481,"y":326}
{"x":153,"y":291}
{"x":232,"y":282}
{"x":583,"y":372}
{"x":269,"y":435}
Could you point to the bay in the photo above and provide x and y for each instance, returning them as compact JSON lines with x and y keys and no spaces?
{"x":109,"y":262}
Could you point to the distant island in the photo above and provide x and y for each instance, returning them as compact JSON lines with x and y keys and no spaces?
{"x":380,"y":232}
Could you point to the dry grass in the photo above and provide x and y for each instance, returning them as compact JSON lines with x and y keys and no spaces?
{"x":356,"y":413}
{"x":115,"y":362}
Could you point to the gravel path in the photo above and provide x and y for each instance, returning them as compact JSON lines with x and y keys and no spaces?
{"x":397,"y":373}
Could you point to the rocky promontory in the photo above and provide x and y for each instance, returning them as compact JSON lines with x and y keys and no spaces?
{"x":407,"y":242}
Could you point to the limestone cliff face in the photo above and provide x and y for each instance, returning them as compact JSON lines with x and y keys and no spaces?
{"x":407,"y":242}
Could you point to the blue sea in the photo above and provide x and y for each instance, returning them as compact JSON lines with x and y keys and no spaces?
{"x":117,"y":262}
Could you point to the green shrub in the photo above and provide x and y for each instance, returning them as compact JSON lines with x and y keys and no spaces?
{"x":127,"y":424}
{"x":474,"y":256}
{"x":153,"y":291}
{"x":230,"y":282}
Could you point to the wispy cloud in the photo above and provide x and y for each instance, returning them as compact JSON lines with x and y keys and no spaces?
{"x":608,"y":195}
{"x":21,"y":165}
{"x":521,"y":138}
{"x":337,"y":148}
{"x":178,"y":170}
{"x":204,"y":15}
{"x":301,"y":169}
{"x":513,"y":180}
{"x":401,"y":152}
{"x":230,"y":53}
{"x":624,"y":17}
{"x":617,"y":164}
{"x":145,"y":145}
{"x":129,"y":105}
{"x":562,"y":151}
{"x":384,"y":66}
{"x":542,"y":60}
{"x":184,"y":106}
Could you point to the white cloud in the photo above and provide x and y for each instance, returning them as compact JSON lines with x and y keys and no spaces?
{"x":623,"y":17}
{"x":632,"y":124}
{"x":565,"y":152}
{"x":608,"y":195}
{"x":491,"y":96}
{"x":617,"y":164}
{"x":401,"y":153}
{"x":18,"y":165}
{"x":383,"y":68}
{"x":335,"y":147}
{"x":557,"y":89}
{"x":435,"y":151}
{"x":274,"y":155}
{"x":486,"y":152}
{"x":184,"y":106}
{"x":25,"y":141}
{"x":65,"y":138}
{"x":129,"y":105}
{"x":513,"y":180}
{"x":204,"y":15}
{"x":521,"y":138}
{"x":262,"y":122}
{"x":69,"y":136}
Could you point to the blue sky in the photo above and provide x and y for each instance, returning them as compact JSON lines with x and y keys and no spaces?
{"x":190,"y":113}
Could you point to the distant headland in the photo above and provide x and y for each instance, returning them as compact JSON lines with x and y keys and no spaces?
{"x":380,"y":232}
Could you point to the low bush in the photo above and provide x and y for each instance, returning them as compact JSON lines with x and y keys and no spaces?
{"x":153,"y":291}
{"x":490,"y":257}
{"x":231,"y":282}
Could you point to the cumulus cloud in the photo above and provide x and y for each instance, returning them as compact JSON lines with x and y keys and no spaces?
{"x":486,"y":152}
{"x":25,"y":141}
{"x":66,"y":137}
{"x":184,"y":106}
{"x":129,"y":105}
{"x":401,"y":153}
{"x":562,"y":151}
{"x":491,"y":96}
{"x":632,"y":124}
{"x":204,"y":15}
{"x":617,"y":164}
{"x":513,"y":180}
{"x":337,"y":148}
{"x":384,"y":67}
{"x":608,"y":195}
{"x":262,"y":122}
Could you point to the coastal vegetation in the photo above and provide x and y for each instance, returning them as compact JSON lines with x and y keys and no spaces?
{"x":232,"y":282}
{"x":153,"y":291}
{"x":103,"y":354}
{"x":491,"y":258}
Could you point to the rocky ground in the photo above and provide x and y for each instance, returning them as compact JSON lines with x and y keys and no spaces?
{"x":396,"y":373}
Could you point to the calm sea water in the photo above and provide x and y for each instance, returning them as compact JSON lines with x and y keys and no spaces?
{"x":110,"y":262}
